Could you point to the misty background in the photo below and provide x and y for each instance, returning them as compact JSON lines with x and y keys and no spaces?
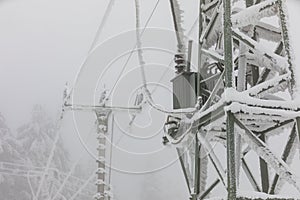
{"x":42,"y":46}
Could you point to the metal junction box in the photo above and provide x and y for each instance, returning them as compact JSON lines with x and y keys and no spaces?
{"x":184,"y":90}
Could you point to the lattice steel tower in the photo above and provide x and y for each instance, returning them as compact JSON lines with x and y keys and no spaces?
{"x":248,"y":89}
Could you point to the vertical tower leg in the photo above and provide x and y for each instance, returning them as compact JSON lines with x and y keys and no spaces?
{"x":197,"y":169}
{"x":231,"y":171}
{"x":197,"y":147}
{"x":199,"y":48}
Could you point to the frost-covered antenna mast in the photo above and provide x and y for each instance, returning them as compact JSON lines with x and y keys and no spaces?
{"x":246,"y":68}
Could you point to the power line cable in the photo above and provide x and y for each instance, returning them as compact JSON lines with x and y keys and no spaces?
{"x":132,"y":50}
{"x":102,"y":24}
{"x":142,"y":66}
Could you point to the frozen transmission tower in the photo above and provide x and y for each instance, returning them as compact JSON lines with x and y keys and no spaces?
{"x":248,"y":87}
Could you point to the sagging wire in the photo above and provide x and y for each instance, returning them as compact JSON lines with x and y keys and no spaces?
{"x":131,"y":52}
{"x":147,"y":93}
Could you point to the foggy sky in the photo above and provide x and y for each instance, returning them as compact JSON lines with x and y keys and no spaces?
{"x":43,"y":44}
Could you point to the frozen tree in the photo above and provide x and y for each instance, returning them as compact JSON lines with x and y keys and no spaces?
{"x":36,"y":138}
{"x":23,"y":157}
{"x":9,"y":180}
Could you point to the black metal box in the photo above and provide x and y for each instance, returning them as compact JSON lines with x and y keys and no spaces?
{"x":184,"y":90}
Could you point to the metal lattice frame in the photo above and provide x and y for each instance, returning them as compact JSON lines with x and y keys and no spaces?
{"x":102,"y":183}
{"x":103,"y":115}
{"x":241,"y":108}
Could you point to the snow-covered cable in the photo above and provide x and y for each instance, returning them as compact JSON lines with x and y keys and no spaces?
{"x":131,"y":52}
{"x":139,"y":44}
{"x":102,"y":24}
{"x":142,"y":66}
{"x":171,"y":61}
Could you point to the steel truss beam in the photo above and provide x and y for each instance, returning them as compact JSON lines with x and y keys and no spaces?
{"x":259,"y":113}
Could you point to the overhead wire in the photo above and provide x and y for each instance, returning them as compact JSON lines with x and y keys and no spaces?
{"x":102,"y":23}
{"x":108,"y":9}
{"x":142,"y":66}
{"x":171,"y":61}
{"x":132,"y":50}
{"x":105,"y":17}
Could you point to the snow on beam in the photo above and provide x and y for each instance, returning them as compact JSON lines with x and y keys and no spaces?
{"x":267,"y":85}
{"x":249,"y":105}
{"x":267,"y":92}
{"x":231,"y":95}
{"x":236,"y":107}
{"x":254,"y":13}
{"x":261,"y":196}
{"x":270,"y":59}
{"x":257,"y":118}
{"x":264,"y":152}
